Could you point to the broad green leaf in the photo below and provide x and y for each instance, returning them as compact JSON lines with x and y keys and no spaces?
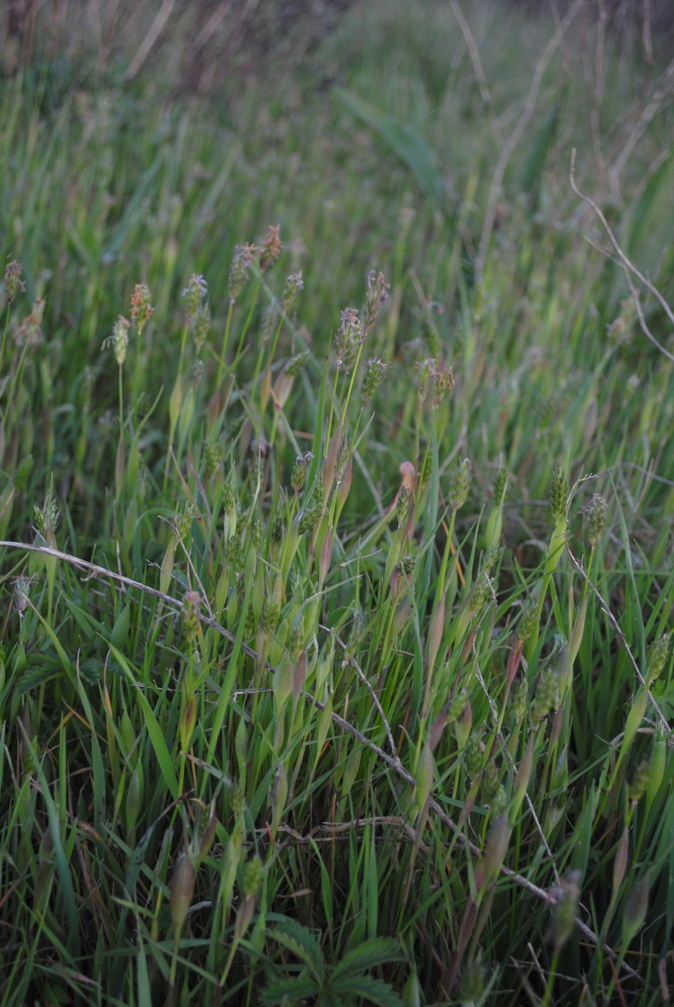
{"x":368,"y":955}
{"x":405,"y":142}
{"x":376,"y":991}
{"x":302,"y":943}
{"x":292,"y":990}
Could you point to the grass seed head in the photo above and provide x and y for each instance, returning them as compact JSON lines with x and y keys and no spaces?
{"x":22,"y":587}
{"x":375,"y":370}
{"x":501,"y":487}
{"x":377,"y":292}
{"x":29,"y":333}
{"x":529,"y":619}
{"x":14,"y":285}
{"x":271,"y":247}
{"x":459,"y":484}
{"x":214,"y":456}
{"x":596,"y":519}
{"x":47,"y":517}
{"x":252,"y":876}
{"x":547,"y":696}
{"x":141,"y":307}
{"x":490,"y":781}
{"x":239,"y":270}
{"x":300,"y":469}
{"x":559,"y":491}
{"x":277,"y":529}
{"x":639,"y":781}
{"x":658,"y":656}
{"x":347,"y":340}
{"x":193,"y":294}
{"x":182,"y":522}
{"x":268,"y":323}
{"x":520,"y":700}
{"x":444,"y":382}
{"x":473,"y":754}
{"x":191,"y":605}
{"x":119,"y":340}
{"x":293,"y":285}
{"x":200,"y":324}
{"x":425,"y":374}
{"x":311,"y":513}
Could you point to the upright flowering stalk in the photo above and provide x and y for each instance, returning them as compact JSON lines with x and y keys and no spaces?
{"x":194,"y":296}
{"x":239,"y":274}
{"x":47,"y":520}
{"x":559,"y":492}
{"x":377,"y":292}
{"x":119,"y":341}
{"x":27,"y":337}
{"x":350,"y":339}
{"x":13,"y":285}
{"x":273,"y":317}
{"x":141,"y":313}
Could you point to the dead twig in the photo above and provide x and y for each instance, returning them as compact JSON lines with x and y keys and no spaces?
{"x":628,"y":267}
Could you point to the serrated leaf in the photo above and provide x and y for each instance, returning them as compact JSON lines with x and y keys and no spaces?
{"x":368,"y":955}
{"x":295,"y":987}
{"x":376,"y":991}
{"x":91,"y":670}
{"x":34,"y":677}
{"x":302,"y":943}
{"x":405,"y":142}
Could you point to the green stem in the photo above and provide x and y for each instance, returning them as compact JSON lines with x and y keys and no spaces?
{"x":225,"y":341}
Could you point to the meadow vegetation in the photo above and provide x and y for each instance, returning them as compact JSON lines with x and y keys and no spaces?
{"x":336,"y":510}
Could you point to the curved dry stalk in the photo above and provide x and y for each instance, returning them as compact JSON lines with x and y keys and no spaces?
{"x":628,"y":266}
{"x":513,"y":140}
{"x":368,"y":685}
{"x":150,"y":40}
{"x":511,"y":762}
{"x":474,"y":54}
{"x":393,"y":761}
{"x":661,"y":91}
{"x":623,"y":639}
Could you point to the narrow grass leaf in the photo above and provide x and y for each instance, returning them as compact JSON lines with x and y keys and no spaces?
{"x":153,"y":729}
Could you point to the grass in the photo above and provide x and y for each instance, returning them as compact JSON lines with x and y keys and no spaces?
{"x":336,"y":659}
